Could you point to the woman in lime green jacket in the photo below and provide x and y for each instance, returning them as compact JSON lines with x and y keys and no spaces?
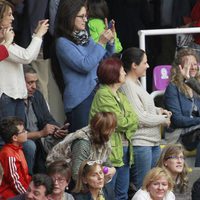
{"x":111,"y":75}
{"x":98,"y":13}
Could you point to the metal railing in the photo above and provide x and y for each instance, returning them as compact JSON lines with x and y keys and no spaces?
{"x":171,"y":31}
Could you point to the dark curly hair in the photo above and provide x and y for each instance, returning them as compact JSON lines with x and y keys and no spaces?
{"x":8,"y":128}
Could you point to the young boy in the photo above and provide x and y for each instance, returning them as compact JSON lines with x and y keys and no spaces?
{"x":16,"y":178}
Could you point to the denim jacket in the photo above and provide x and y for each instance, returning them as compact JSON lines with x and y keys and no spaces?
{"x":181,"y":107}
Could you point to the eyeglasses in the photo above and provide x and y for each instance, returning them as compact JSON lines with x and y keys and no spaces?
{"x":59,"y":180}
{"x":92,"y":162}
{"x":24,"y":131}
{"x":176,"y":157}
{"x":82,"y":16}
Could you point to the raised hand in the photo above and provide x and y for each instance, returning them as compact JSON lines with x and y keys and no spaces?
{"x":42,"y":28}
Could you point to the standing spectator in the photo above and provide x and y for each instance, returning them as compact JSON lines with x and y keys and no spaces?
{"x":172,"y":159}
{"x":111,"y":75}
{"x":146,"y":140}
{"x":16,"y":178}
{"x":184,"y":103}
{"x":97,"y":23}
{"x":78,"y":56}
{"x":13,"y":90}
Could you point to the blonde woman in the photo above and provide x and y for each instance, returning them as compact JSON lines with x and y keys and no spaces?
{"x":173,"y":160}
{"x":157,"y":185}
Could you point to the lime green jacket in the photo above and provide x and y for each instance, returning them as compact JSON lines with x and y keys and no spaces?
{"x":96,"y":27}
{"x":127,"y":122}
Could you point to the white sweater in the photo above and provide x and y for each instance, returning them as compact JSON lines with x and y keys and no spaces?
{"x":150,"y":118}
{"x":12,"y":81}
{"x":144,"y":195}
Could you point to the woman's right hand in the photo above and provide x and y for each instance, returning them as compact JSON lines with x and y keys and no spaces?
{"x":42,"y":28}
{"x":185,"y":68}
{"x":8,"y":35}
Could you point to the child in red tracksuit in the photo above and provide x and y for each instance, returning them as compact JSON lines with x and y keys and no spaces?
{"x":16,"y":178}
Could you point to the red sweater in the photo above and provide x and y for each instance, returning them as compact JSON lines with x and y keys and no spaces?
{"x":3,"y":52}
{"x":16,"y":178}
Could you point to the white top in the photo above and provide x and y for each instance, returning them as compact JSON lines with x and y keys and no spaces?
{"x":144,"y":195}
{"x":12,"y":81}
{"x":149,"y":116}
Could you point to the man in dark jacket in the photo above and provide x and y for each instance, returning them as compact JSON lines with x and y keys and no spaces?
{"x":43,"y":129}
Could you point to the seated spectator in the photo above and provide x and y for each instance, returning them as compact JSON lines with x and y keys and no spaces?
{"x":40,"y":188}
{"x":147,"y":138}
{"x":13,"y":89}
{"x":16,"y":177}
{"x":184,"y":104}
{"x":42,"y":127}
{"x":90,"y":182}
{"x":111,"y":75}
{"x":173,"y":160}
{"x":79,"y":56}
{"x":98,"y":13}
{"x":196,"y":190}
{"x":90,"y":142}
{"x":157,"y":185}
{"x":60,"y":172}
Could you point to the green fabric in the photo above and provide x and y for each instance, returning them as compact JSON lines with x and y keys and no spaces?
{"x":127,"y":121}
{"x":96,"y":27}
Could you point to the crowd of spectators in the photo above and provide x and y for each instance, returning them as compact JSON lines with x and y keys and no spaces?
{"x":111,"y":136}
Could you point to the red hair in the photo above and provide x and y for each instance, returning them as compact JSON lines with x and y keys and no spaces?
{"x":108,"y":71}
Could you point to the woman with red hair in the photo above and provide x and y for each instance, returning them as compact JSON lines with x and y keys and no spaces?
{"x":111,"y":75}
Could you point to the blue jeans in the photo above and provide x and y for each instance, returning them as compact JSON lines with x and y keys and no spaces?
{"x":120,"y":181}
{"x":145,"y":158}
{"x":29,"y":149}
{"x":11,"y":107}
{"x":79,"y":116}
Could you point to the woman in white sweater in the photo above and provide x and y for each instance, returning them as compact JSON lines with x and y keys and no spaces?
{"x":157,"y":185}
{"x":12,"y":84}
{"x":146,"y":140}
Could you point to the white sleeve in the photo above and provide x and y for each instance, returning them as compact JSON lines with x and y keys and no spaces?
{"x":21,"y":55}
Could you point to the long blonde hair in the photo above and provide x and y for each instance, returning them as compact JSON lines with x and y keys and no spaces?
{"x":176,"y":76}
{"x":175,"y":149}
